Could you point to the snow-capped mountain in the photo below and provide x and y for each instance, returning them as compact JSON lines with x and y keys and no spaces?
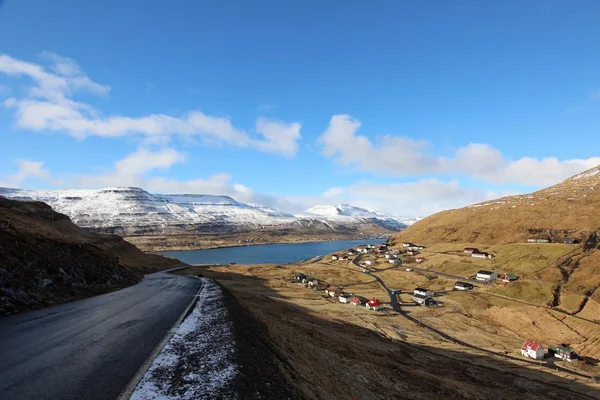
{"x":348,"y":212}
{"x":133,"y":211}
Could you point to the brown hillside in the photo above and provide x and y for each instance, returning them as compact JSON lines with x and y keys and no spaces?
{"x":46,"y":259}
{"x":569,"y":209}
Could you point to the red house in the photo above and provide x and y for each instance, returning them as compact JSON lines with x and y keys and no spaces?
{"x":355,"y":301}
{"x":374,"y":304}
{"x":420,"y":259}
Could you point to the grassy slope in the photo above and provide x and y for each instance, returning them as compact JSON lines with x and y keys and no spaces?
{"x":48,"y":260}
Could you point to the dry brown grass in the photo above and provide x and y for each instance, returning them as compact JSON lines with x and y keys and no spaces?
{"x":330,"y":349}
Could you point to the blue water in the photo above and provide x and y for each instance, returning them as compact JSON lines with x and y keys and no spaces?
{"x":266,"y":254}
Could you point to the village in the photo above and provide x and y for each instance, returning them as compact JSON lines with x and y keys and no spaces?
{"x":373,"y":258}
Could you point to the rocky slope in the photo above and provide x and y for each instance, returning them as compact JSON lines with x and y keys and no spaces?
{"x":45,"y":259}
{"x":569,"y":209}
{"x":130,"y":211}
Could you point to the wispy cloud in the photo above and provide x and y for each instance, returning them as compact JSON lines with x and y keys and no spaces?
{"x":403,"y":156}
{"x":50,"y":106}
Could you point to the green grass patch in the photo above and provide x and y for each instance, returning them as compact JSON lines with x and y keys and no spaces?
{"x":527,"y":258}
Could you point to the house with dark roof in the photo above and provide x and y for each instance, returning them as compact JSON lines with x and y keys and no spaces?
{"x":463,"y":286}
{"x":423,"y":300}
{"x":424,"y":292}
{"x":333,"y":291}
{"x":470,"y":250}
{"x":562,"y":352}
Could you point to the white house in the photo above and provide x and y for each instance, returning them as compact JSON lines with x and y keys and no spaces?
{"x":344,"y":298}
{"x":370,"y":262}
{"x":407,"y":244}
{"x":424,"y":292}
{"x":481,"y":254}
{"x":335,"y":257}
{"x":486,"y":276}
{"x":463,"y":286}
{"x":533,"y":350}
{"x":426,"y":301}
{"x":395,"y":261}
{"x":313,"y":283}
{"x":389,"y":256}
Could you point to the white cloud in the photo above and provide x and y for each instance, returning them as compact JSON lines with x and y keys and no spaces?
{"x":27,"y":169}
{"x":419,"y":198}
{"x":402,"y":156}
{"x":49,"y":106}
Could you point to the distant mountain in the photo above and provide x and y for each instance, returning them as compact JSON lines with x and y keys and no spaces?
{"x":568,"y":209}
{"x":347,"y":212}
{"x":131,"y":211}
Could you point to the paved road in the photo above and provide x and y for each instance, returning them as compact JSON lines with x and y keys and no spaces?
{"x":89,"y":349}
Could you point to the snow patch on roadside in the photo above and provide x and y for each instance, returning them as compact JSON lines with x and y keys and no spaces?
{"x":198,"y":361}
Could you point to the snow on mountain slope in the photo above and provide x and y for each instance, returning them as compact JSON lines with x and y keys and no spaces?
{"x":348,"y":212}
{"x":133,"y":211}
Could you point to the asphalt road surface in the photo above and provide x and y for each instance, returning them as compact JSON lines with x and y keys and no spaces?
{"x":89,"y":349}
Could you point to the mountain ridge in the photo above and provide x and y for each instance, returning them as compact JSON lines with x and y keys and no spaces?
{"x":567,"y":209}
{"x":134,"y":212}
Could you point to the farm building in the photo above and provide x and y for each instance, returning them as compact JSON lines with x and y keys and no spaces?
{"x":423,"y":300}
{"x":538,"y":240}
{"x":486,"y":276}
{"x":533,"y":350}
{"x":463,"y":286}
{"x":358,"y":301}
{"x":563,"y":353}
{"x":470,"y":250}
{"x":481,"y":254}
{"x":335,"y":257}
{"x":301,"y":277}
{"x":420,"y":259}
{"x":374,"y":304}
{"x":508,"y":277}
{"x":333,"y":291}
{"x":424,"y":292}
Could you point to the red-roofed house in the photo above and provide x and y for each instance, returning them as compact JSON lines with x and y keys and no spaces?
{"x":420,"y":259}
{"x":533,"y":350}
{"x":374,"y":304}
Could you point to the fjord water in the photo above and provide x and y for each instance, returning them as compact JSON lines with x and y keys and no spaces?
{"x":267,"y":253}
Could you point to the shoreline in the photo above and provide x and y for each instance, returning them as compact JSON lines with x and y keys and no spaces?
{"x":164,"y":249}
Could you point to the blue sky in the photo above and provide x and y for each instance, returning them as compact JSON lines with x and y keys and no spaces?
{"x":408,"y":107}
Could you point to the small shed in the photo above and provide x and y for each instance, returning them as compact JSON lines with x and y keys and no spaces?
{"x":508,"y":277}
{"x":533,"y":350}
{"x":374,"y":304}
{"x":463,"y":286}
